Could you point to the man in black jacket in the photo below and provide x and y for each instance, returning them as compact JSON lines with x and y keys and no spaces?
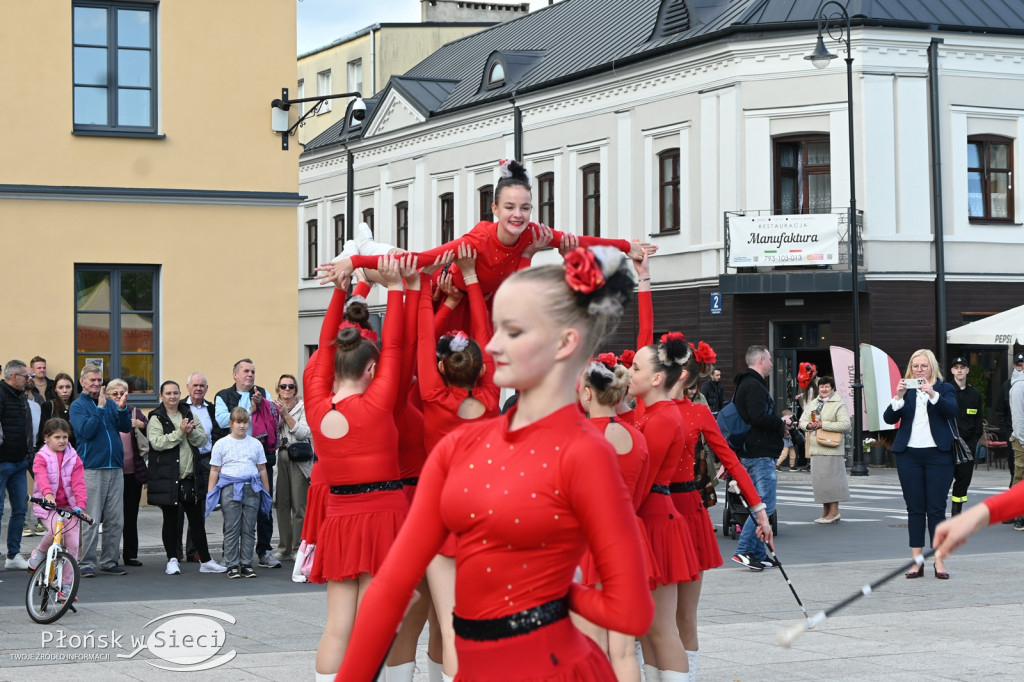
{"x":762,"y":447}
{"x":15,"y":452}
{"x":713,"y":391}
{"x":969,"y":424}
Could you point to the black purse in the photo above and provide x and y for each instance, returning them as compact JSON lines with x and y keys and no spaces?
{"x":961,"y":452}
{"x":300,"y":451}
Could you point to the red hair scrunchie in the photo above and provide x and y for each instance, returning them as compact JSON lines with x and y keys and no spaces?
{"x":673,"y":336}
{"x":626,"y":358}
{"x":367,"y":334}
{"x":608,"y":360}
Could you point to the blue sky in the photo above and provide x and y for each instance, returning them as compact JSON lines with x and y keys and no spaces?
{"x":322,"y":21}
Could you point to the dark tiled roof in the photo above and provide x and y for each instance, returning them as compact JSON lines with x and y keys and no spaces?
{"x":426,"y":94}
{"x":578,"y":38}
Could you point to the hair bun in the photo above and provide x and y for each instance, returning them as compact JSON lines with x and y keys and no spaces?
{"x":513,"y":170}
{"x":673,"y":349}
{"x":599,"y":278}
{"x":349,"y":339}
{"x":599,"y":376}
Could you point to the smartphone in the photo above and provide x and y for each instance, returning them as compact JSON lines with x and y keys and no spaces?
{"x":913,"y":383}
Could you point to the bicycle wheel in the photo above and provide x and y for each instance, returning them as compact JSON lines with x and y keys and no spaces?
{"x":49,"y":597}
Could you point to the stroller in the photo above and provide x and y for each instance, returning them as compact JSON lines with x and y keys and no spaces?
{"x":735,"y":512}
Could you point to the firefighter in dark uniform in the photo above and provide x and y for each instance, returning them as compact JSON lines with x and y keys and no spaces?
{"x":970,"y":424}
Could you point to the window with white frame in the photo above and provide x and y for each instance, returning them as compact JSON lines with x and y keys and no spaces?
{"x":803,"y":174}
{"x":312,"y":247}
{"x":592,"y":199}
{"x":114,"y":74}
{"x":323,"y":87}
{"x":300,"y":92}
{"x":355,"y":76}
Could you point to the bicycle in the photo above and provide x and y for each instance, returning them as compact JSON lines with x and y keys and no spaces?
{"x":54,"y":584}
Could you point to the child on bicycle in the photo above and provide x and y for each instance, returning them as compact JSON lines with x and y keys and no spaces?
{"x":238,"y":481}
{"x":60,"y":479}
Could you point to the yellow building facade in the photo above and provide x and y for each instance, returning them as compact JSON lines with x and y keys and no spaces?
{"x":147,"y":210}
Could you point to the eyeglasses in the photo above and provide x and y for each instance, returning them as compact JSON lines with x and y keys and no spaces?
{"x":285,"y":387}
{"x":197,"y":385}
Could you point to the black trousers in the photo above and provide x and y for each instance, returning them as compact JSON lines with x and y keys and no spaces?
{"x":193,"y":510}
{"x":265,"y":522}
{"x":202,"y":483}
{"x":925,"y":475}
{"x":130,"y":532}
{"x":962,"y":475}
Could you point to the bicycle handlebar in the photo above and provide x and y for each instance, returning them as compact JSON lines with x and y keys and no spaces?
{"x":65,"y":510}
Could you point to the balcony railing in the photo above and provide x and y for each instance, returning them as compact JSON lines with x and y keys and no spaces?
{"x":842,"y":265}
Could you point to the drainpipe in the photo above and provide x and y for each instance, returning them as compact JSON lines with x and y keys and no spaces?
{"x":373,"y":63}
{"x":940,"y":251}
{"x":517,"y":130}
{"x":350,"y":195}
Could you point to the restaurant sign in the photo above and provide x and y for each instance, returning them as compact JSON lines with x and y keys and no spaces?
{"x":772,"y":240}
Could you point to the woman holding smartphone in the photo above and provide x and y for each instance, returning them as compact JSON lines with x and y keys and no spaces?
{"x":924,"y":405}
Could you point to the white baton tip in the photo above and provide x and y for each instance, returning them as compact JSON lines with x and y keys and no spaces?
{"x":817,"y":619}
{"x":866,"y":590}
{"x":919,"y":560}
{"x":787,"y":636}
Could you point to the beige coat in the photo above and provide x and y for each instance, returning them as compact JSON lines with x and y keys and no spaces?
{"x":833,"y":418}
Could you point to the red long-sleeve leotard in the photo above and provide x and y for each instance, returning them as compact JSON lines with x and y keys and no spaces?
{"x":1006,"y":506}
{"x":662,"y":427}
{"x":408,"y":417}
{"x":440,"y":401}
{"x":495,"y":261}
{"x":697,"y":419}
{"x":356,"y":530}
{"x":524,"y":504}
{"x":634,"y":466}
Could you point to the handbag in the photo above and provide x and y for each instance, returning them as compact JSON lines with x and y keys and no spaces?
{"x":829,"y":439}
{"x":961,"y":452}
{"x":303,"y":563}
{"x":300,"y":451}
{"x":702,"y":480}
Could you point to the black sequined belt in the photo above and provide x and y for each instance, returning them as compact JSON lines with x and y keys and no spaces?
{"x":660,"y":489}
{"x":359,"y":488}
{"x":684,"y":487}
{"x":411,"y":481}
{"x":509,"y":626}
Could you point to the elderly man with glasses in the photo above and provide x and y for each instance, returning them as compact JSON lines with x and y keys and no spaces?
{"x":204,"y":412}
{"x":98,"y":425}
{"x":15,"y":456}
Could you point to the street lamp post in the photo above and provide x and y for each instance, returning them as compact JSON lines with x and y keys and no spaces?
{"x":835,"y":20}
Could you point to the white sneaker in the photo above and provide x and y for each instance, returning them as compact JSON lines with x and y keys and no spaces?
{"x":212,"y":566}
{"x":172,"y":567}
{"x":347,"y":251}
{"x":16,"y":562}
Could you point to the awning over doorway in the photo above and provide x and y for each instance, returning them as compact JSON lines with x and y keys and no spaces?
{"x":1002,"y":329}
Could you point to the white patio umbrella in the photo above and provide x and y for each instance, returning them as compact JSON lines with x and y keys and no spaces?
{"x":1002,"y":329}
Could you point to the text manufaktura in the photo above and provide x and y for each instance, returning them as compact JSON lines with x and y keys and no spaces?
{"x":778,"y":240}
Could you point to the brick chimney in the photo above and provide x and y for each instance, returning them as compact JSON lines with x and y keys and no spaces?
{"x":452,"y":11}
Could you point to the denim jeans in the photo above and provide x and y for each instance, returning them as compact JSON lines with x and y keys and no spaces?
{"x":265,"y":522}
{"x":14,"y":484}
{"x":239,"y":525}
{"x":762,"y":473}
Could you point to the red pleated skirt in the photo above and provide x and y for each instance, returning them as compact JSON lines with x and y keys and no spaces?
{"x":695,"y":515}
{"x":356,"y":533}
{"x":589,"y":570}
{"x":554,"y":653}
{"x":674,"y":553}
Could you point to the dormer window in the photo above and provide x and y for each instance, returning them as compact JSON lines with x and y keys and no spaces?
{"x":507,"y":68}
{"x":496,"y":76}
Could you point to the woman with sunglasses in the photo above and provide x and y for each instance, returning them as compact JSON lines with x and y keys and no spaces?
{"x":292,"y":474}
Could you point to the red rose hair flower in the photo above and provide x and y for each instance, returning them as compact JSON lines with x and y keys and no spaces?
{"x":704,"y":353}
{"x":582,"y":271}
{"x":626,"y":358}
{"x":367,"y":334}
{"x":608,"y":360}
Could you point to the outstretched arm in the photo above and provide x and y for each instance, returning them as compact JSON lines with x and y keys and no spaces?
{"x":645,"y":336}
